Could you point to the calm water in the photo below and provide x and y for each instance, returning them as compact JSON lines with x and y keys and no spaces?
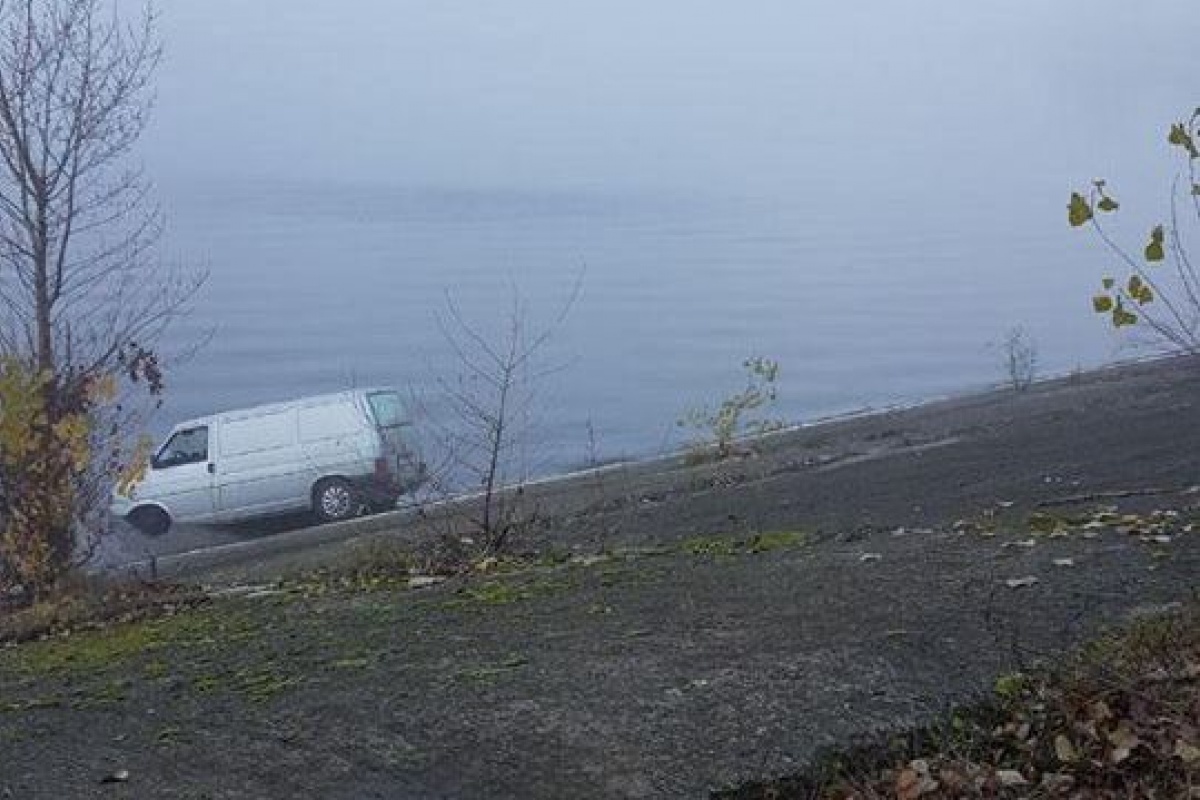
{"x":869,"y":193}
{"x":320,"y":287}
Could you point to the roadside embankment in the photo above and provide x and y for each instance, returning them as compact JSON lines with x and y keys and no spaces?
{"x":1129,"y":428}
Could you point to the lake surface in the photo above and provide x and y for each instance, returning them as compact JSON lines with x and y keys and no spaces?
{"x":871,"y":194}
{"x":321,"y":287}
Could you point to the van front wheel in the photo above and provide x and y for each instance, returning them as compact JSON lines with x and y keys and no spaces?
{"x":150,"y":521}
{"x":334,"y":500}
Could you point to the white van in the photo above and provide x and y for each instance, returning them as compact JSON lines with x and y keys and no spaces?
{"x":336,"y":454}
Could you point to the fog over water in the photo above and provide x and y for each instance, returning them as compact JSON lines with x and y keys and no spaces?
{"x":870,"y":193}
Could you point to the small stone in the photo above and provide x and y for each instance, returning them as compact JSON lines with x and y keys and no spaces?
{"x":1010,"y":777}
{"x":119,"y":776}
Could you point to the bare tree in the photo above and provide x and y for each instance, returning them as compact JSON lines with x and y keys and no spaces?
{"x":488,"y":421}
{"x":82,"y":287}
{"x":84,"y":296}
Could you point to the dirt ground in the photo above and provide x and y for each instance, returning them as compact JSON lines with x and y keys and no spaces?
{"x":855,"y":576}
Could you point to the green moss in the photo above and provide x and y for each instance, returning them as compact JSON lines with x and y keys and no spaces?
{"x":711,"y":546}
{"x":488,"y":674}
{"x":502,"y":593}
{"x":1040,"y":522}
{"x":168,"y":735}
{"x":778,"y":540}
{"x":1010,"y":686}
{"x":88,"y":653}
{"x":350,"y":663}
{"x":103,"y":695}
{"x":155,"y":669}
{"x":119,"y":648}
{"x":727,"y":546}
{"x":264,"y":683}
{"x":204,"y":684}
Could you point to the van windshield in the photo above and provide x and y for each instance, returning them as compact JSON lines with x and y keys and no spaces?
{"x":387,"y":409}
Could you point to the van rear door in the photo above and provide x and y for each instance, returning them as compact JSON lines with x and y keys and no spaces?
{"x":391,"y":417}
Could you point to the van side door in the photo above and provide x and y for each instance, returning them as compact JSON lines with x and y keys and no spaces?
{"x":182,"y":478}
{"x":260,"y":469}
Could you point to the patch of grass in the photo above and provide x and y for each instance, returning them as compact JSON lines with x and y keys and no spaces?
{"x":119,"y":647}
{"x":88,"y":653}
{"x":711,"y":546}
{"x":106,"y":694}
{"x":779,"y":540}
{"x":206,"y":684}
{"x":82,"y":603}
{"x":34,"y":703}
{"x":261,"y":684}
{"x":350,"y":663}
{"x":503,"y":592}
{"x":489,"y":673}
{"x":168,"y":735}
{"x":727,"y":546}
{"x":1046,"y":524}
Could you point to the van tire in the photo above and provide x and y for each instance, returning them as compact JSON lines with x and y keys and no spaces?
{"x":150,"y":521}
{"x":335,"y":500}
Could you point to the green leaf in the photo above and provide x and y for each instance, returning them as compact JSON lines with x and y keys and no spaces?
{"x":1078,"y":211}
{"x":1107,"y":204}
{"x":1180,"y":137}
{"x":1121,"y":317}
{"x":1154,"y":250}
{"x":1109,"y":283}
{"x":1102,"y":303}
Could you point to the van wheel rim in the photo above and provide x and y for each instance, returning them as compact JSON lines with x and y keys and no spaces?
{"x":336,"y":501}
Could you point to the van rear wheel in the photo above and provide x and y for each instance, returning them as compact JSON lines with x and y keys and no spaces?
{"x":334,"y":500}
{"x":150,"y":521}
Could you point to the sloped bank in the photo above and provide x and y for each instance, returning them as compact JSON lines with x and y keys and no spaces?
{"x":1130,"y":428}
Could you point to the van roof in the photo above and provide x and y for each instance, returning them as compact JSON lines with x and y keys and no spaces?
{"x":284,"y":405}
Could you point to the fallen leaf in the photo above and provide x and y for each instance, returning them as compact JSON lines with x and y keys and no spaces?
{"x":1065,"y":751}
{"x":1057,"y":781}
{"x":1010,"y":777}
{"x":869,"y":557}
{"x":1064,"y":562}
{"x":908,"y":785}
{"x":1124,"y":741}
{"x":1190,"y":753}
{"x":1018,"y":583}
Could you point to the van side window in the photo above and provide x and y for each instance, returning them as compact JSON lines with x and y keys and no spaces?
{"x":185,"y":447}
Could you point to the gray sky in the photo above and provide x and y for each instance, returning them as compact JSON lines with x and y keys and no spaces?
{"x":746,"y":97}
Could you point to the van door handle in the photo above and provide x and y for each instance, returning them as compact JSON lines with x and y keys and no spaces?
{"x":212,"y":468}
